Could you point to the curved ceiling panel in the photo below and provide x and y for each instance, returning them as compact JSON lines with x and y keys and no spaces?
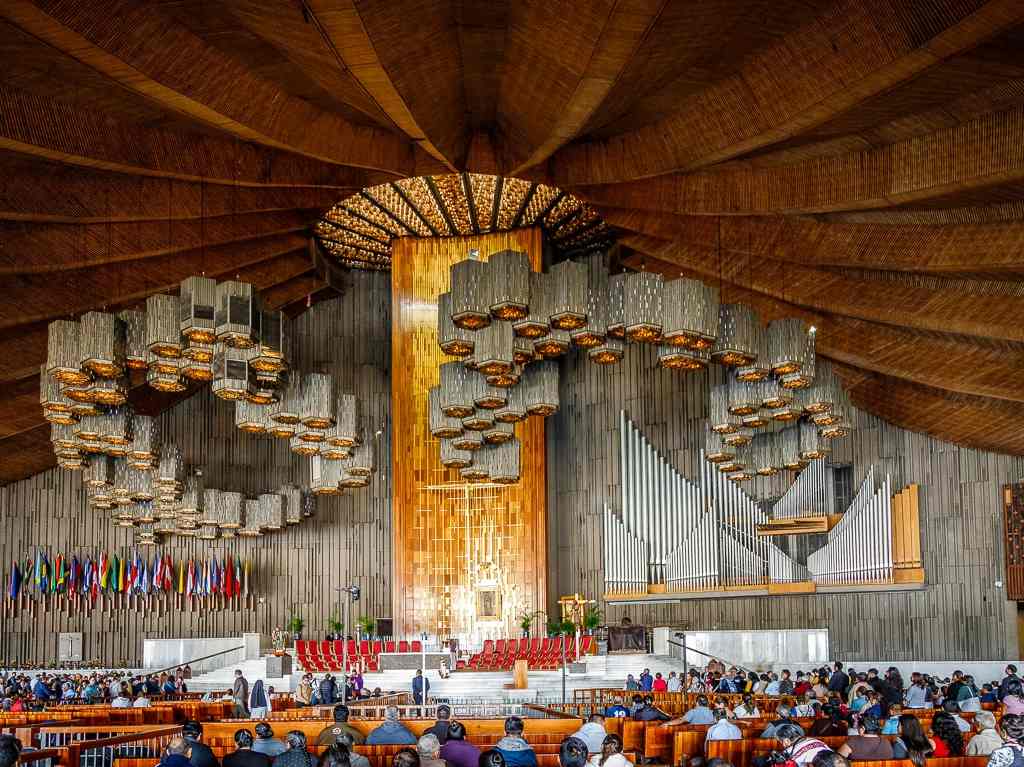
{"x":855,"y":162}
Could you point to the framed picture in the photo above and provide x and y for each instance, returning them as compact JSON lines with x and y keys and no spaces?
{"x":488,"y":605}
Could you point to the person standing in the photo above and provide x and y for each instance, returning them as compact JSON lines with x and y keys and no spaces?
{"x":646,"y":680}
{"x":240,"y":694}
{"x":420,"y":687}
{"x":258,"y":701}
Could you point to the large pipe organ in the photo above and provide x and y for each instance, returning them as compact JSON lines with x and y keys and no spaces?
{"x":673,"y":536}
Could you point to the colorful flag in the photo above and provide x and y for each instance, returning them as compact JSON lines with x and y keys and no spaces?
{"x":245,"y":588}
{"x":229,"y":579}
{"x":238,"y":577}
{"x":15,"y":583}
{"x":169,"y":574}
{"x":104,"y":571}
{"x":181,"y":576}
{"x":121,"y":576}
{"x":190,"y":584}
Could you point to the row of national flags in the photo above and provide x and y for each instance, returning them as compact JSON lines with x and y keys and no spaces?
{"x":133,"y":575}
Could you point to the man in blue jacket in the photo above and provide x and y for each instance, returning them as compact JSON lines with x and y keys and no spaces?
{"x":513,"y":747}
{"x":391,"y":732}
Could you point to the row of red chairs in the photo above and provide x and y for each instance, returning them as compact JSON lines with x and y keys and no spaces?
{"x":328,"y":655}
{"x":546,"y":653}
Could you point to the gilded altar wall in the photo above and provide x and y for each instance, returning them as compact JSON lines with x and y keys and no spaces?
{"x":468,"y":559}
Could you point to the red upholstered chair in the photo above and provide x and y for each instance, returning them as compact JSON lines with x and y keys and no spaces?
{"x":403,"y":645}
{"x":377,"y":648}
{"x":389,"y":647}
{"x":417,"y":645}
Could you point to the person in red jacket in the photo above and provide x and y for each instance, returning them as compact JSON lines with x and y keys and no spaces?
{"x":660,"y":685}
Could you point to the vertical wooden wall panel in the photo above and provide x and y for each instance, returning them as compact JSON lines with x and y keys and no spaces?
{"x":960,"y":615}
{"x":347,"y":542}
{"x":442,"y":546}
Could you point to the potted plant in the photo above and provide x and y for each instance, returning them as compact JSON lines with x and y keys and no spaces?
{"x":366,"y":625}
{"x":295,"y":624}
{"x":591,"y":619}
{"x":567,"y":627}
{"x":336,"y":626}
{"x":525,"y":621}
{"x":554,"y":627}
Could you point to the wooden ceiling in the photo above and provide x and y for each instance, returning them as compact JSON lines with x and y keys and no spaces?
{"x":859,"y":163}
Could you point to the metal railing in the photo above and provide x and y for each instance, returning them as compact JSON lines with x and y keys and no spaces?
{"x":199,"y":660}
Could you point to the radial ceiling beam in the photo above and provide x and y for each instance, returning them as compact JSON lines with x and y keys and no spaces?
{"x":130,"y":48}
{"x":981,"y":155}
{"x":965,"y":248}
{"x":942,"y":361}
{"x":67,"y":134}
{"x":889,"y":303}
{"x":415,"y":86}
{"x":35,"y":299}
{"x":986,"y":424}
{"x":845,"y":55}
{"x":49,"y":248}
{"x":596,"y":42}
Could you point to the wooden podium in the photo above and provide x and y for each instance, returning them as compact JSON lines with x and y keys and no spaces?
{"x":520,"y":674}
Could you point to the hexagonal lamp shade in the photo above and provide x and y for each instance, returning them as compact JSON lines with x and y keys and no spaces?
{"x":452,"y":457}
{"x":274,"y":345}
{"x":493,"y":351}
{"x":766,"y":455}
{"x":514,"y":409}
{"x":163,"y":334}
{"x":272,"y":510}
{"x":643,"y":315}
{"x":231,"y":379}
{"x":317,"y":401}
{"x":453,"y":340}
{"x":787,"y":340}
{"x":237,"y":315}
{"x":469,"y":289}
{"x":804,"y":377}
{"x":288,"y":408}
{"x":253,"y":519}
{"x":610,"y":352}
{"x":715,"y":450}
{"x":541,"y":388}
{"x":101,"y":344}
{"x":198,"y":297}
{"x":134,"y":338}
{"x":349,"y":416}
{"x":789,"y":444}
{"x":498,"y":433}
{"x":743,"y":398}
{"x":683,"y":357}
{"x":230,"y":509}
{"x":616,"y":314}
{"x":824,"y":391}
{"x":537,"y":321}
{"x":509,"y":274}
{"x":758,"y":368}
{"x":456,"y":395}
{"x":63,"y":357}
{"x":468,"y":440}
{"x":595,"y":330}
{"x":56,"y":407}
{"x":556,"y":343}
{"x":441,"y":425}
{"x":165,"y":375}
{"x":736,"y":343}
{"x":691,"y":314}
{"x":292,"y":499}
{"x":721,"y":420}
{"x":568,"y":299}
{"x":742,"y":436}
{"x":503,"y":462}
{"x":251,"y":418}
{"x":812,"y":445}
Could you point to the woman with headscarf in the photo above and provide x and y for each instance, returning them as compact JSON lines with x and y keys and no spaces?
{"x":258,"y":703}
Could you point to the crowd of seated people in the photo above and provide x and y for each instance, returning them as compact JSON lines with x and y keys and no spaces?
{"x":24,"y":692}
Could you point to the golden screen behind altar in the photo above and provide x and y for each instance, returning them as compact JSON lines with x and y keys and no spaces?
{"x":468,"y":560}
